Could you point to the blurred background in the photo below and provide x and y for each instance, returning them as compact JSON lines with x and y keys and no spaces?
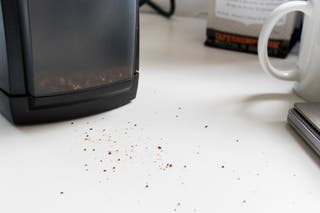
{"x":193,"y":8}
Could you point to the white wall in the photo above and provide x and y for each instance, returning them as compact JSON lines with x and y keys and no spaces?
{"x":195,"y":8}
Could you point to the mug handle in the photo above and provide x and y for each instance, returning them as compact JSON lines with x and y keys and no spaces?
{"x":275,"y":16}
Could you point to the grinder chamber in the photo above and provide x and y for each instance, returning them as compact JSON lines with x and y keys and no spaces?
{"x":75,"y":54}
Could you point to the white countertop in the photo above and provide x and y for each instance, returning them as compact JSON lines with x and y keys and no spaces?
{"x":246,"y":160}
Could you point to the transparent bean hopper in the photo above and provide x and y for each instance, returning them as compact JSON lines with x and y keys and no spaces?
{"x":62,"y":59}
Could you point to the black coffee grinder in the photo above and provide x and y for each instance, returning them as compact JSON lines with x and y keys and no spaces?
{"x":62,"y":59}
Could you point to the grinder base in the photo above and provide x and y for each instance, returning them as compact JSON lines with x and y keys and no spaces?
{"x":31,"y":110}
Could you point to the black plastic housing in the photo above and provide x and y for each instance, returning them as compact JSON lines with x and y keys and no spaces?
{"x":24,"y":99}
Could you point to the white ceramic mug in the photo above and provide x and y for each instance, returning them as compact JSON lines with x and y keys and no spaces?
{"x":306,"y":73}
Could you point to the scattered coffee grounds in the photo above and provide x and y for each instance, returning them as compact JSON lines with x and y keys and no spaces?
{"x":169,"y":165}
{"x":114,"y":155}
